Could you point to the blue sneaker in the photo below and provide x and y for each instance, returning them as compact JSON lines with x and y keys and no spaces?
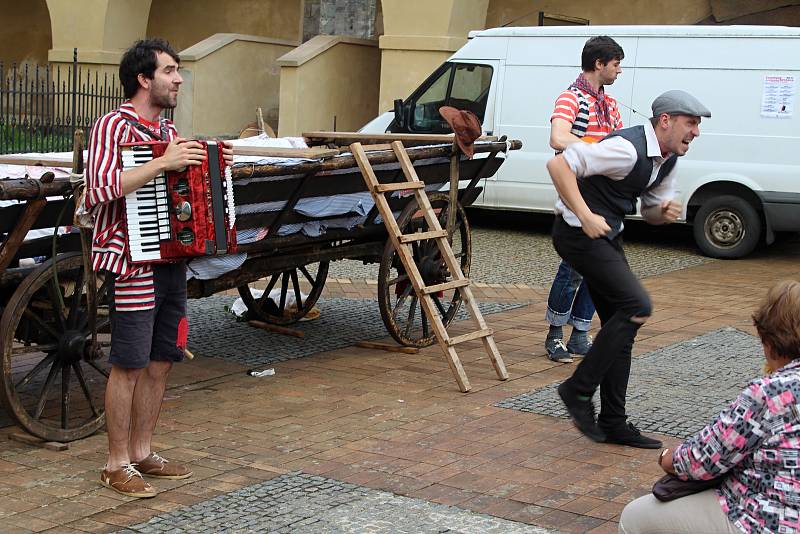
{"x":557,"y":351}
{"x":579,"y":345}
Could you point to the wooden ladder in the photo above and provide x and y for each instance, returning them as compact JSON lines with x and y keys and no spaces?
{"x":402,"y":243}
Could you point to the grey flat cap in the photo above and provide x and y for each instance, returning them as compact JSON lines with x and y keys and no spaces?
{"x":677,"y":102}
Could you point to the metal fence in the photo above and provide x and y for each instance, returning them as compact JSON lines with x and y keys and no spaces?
{"x":42,"y":105}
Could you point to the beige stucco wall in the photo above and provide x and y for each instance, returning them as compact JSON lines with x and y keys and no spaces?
{"x":25,"y":32}
{"x":100,"y":29}
{"x":606,"y":12}
{"x":418,"y":36}
{"x":226,"y":77}
{"x":325,"y":77}
{"x":403,"y":70}
{"x":186,"y":22}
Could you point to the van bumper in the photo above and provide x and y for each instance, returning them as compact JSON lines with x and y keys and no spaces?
{"x":781,"y":210}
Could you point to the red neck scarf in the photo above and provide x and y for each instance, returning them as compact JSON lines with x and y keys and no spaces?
{"x":601,"y":104}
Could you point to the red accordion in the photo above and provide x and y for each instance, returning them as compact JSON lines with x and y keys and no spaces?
{"x":179,"y":214}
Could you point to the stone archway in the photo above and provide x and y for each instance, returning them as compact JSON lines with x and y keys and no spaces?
{"x":25,"y":35}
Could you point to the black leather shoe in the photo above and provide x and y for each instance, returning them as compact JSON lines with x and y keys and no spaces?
{"x":582,"y":413}
{"x":629,"y":435}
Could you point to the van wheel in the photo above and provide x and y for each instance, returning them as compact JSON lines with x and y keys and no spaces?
{"x":727,"y":227}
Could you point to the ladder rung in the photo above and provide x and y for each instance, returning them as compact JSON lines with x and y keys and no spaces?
{"x":469,"y":337}
{"x":452,"y":284}
{"x":419,"y":236}
{"x":398,"y":186}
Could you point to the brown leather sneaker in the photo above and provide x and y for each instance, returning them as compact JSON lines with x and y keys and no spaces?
{"x":157,"y":467}
{"x":127,"y":481}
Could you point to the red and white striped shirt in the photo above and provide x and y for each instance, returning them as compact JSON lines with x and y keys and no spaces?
{"x":578,"y":108}
{"x":134,"y":284}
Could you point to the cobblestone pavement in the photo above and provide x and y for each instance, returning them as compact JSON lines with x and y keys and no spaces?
{"x":675,"y":390}
{"x":306,"y":504}
{"x":518,"y":250}
{"x":341,"y":323}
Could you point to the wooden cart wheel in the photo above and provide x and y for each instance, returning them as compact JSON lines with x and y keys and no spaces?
{"x":306,"y":279}
{"x":400,"y":308}
{"x":54,"y":377}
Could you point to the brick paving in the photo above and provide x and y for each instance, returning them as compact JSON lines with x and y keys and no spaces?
{"x":396,"y":423}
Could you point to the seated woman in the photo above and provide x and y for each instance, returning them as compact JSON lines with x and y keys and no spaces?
{"x":754,"y":444}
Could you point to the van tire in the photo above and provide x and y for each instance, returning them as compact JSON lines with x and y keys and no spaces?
{"x":727,"y":227}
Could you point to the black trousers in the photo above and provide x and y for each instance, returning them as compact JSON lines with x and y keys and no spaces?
{"x":618,"y":296}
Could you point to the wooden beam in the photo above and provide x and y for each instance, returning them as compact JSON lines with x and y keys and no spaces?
{"x":31,"y":189}
{"x":375,"y":158}
{"x":346,"y":138}
{"x":387,"y":347}
{"x":42,"y":161}
{"x":271,"y":152}
{"x":277,"y":329}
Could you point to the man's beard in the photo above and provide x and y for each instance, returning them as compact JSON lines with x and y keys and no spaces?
{"x":165,"y":100}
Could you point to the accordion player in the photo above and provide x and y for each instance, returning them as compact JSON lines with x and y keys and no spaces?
{"x":179,"y":214}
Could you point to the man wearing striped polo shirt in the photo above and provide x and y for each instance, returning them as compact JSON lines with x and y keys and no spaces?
{"x":583,"y":112}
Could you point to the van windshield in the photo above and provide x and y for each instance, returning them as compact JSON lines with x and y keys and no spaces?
{"x":461,"y":85}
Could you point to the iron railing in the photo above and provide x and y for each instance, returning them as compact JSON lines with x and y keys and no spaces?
{"x":42,"y":105}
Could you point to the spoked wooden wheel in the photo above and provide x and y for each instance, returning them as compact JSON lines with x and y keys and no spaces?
{"x":294,"y":293}
{"x":54,"y":376}
{"x":400,"y":308}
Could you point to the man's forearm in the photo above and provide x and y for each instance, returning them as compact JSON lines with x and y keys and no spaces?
{"x":561,"y":140}
{"x":666,"y":213}
{"x":653,"y":215}
{"x":133,"y":179}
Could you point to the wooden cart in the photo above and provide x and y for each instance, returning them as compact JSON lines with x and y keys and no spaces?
{"x":54,"y":328}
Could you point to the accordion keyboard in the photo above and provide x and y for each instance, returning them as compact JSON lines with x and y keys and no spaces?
{"x":146,"y":209}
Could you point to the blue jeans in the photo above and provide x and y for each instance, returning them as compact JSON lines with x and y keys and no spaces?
{"x":569,"y":301}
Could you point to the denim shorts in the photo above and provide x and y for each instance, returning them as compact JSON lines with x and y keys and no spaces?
{"x":137,"y":337}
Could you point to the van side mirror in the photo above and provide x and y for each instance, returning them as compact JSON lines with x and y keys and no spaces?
{"x":399,"y":114}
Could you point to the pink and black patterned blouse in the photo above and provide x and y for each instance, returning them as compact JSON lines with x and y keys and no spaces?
{"x":756,"y":440}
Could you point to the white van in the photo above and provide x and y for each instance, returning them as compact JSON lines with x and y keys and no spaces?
{"x":740,"y":181}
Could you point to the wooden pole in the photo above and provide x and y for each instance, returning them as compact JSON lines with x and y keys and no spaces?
{"x":454,"y":176}
{"x":375,"y":158}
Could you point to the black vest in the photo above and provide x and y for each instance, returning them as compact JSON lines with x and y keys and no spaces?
{"x":614,"y":199}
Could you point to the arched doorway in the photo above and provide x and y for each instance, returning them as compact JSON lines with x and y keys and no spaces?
{"x":25,"y":35}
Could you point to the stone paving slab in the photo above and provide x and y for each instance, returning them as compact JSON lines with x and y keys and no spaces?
{"x":675,"y":390}
{"x":216,"y":333}
{"x":302,"y":503}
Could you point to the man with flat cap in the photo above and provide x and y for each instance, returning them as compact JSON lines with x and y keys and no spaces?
{"x":599,"y":185}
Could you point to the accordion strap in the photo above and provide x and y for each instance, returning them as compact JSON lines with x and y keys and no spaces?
{"x":144,"y":129}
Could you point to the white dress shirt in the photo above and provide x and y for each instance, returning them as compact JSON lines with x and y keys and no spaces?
{"x":615,"y":158}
